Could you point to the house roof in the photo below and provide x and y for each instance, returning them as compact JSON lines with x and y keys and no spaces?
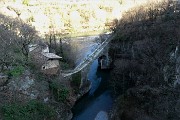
{"x":32,"y":47}
{"x":43,"y":47}
{"x":51,"y":55}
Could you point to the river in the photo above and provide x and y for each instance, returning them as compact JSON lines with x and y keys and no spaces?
{"x":99,"y":98}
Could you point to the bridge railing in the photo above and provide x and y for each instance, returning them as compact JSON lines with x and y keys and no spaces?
{"x":90,"y":58}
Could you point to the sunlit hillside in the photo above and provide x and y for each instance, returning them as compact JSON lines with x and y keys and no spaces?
{"x":62,"y":17}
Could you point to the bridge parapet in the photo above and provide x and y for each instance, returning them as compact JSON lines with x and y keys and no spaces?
{"x":99,"y":51}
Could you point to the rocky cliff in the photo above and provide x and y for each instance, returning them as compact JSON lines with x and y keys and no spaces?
{"x":146,"y":67}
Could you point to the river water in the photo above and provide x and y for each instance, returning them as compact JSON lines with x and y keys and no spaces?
{"x":99,"y":98}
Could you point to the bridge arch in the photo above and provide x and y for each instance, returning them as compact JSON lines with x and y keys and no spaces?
{"x":103,"y":61}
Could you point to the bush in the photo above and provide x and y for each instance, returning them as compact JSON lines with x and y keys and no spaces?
{"x":76,"y":79}
{"x":33,"y":110}
{"x":17,"y":71}
{"x":60,"y":92}
{"x":64,"y":65}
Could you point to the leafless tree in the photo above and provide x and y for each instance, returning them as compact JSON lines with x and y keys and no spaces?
{"x":15,"y":36}
{"x":6,"y":47}
{"x":26,"y":34}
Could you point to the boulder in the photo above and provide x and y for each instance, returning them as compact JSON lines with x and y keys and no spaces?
{"x":102,"y":115}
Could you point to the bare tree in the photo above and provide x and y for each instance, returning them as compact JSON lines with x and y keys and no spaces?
{"x":6,"y":47}
{"x":15,"y":36}
{"x":26,"y":34}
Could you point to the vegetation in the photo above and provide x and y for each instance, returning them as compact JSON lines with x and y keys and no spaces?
{"x":146,"y":58}
{"x":60,"y":92}
{"x":16,"y":71}
{"x":33,"y":110}
{"x":76,"y":79}
{"x":146,"y":37}
{"x":145,"y":41}
{"x":76,"y":82}
{"x":15,"y":36}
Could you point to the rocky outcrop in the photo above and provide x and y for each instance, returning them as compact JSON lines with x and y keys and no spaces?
{"x":28,"y":88}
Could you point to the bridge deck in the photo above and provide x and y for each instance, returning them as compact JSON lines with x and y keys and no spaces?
{"x":90,"y":58}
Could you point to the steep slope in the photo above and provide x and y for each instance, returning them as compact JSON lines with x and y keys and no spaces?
{"x":146,"y":60}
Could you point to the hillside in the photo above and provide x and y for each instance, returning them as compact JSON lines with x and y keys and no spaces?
{"x":146,"y":60}
{"x":145,"y":54}
{"x":70,"y":17}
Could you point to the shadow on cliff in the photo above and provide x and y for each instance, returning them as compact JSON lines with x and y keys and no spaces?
{"x":145,"y":66}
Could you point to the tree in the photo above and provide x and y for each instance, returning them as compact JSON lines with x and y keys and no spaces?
{"x":15,"y":36}
{"x":6,"y":47}
{"x":26,"y":34}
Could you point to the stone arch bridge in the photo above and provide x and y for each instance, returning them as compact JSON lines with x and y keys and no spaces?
{"x":99,"y":53}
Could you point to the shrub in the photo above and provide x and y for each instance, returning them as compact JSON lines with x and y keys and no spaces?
{"x":60,"y":92}
{"x":33,"y":110}
{"x":76,"y":79}
{"x":15,"y":72}
{"x":64,"y":65}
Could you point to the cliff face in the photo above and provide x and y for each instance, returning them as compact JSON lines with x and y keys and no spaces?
{"x":146,"y":66}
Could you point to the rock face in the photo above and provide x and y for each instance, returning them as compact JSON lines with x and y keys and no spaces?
{"x":27,"y":88}
{"x":149,"y":77}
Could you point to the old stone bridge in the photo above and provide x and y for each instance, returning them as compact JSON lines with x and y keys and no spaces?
{"x":100,"y":53}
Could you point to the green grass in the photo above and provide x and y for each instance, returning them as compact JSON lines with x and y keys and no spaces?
{"x":16,"y":71}
{"x":33,"y":110}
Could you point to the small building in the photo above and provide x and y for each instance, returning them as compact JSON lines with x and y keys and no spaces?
{"x":51,"y":64}
{"x":47,"y":63}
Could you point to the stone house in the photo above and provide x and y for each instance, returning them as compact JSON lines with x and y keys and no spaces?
{"x":51,"y":63}
{"x":47,"y":63}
